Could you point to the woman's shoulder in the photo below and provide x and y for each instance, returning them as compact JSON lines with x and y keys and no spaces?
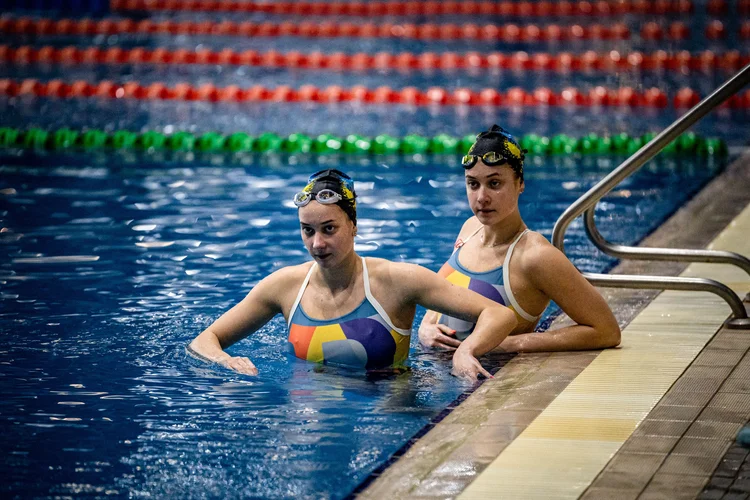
{"x":534,"y":252}
{"x":470,"y":227}
{"x":397,"y":279}
{"x":385,"y":270}
{"x":378,"y":265}
{"x":290,"y":274}
{"x":535,"y":240}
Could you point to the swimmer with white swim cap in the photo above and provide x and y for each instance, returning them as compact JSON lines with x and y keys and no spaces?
{"x":497,"y":256}
{"x":347,"y":310}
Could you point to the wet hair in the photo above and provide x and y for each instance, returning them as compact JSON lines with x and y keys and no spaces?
{"x":338,"y":182}
{"x":500,"y":141}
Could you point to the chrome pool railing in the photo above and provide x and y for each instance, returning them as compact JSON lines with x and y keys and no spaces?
{"x":588,"y":201}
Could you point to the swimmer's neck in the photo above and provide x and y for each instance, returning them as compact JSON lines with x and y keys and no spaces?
{"x":342,"y":276}
{"x":503,"y":232}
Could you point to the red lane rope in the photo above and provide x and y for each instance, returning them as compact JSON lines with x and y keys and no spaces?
{"x":506,"y":32}
{"x":596,"y":96}
{"x":609,"y":61}
{"x":467,"y":7}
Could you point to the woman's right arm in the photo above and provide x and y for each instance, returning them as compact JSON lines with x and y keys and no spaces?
{"x":431,"y":333}
{"x":254,"y":311}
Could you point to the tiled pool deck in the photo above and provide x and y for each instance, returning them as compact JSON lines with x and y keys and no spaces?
{"x":652,"y":419}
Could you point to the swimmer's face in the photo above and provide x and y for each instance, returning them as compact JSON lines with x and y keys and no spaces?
{"x":492,"y":191}
{"x":327,"y":232}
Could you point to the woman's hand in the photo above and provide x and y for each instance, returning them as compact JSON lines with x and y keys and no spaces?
{"x":240,"y":365}
{"x":439,"y":336}
{"x":467,"y":366}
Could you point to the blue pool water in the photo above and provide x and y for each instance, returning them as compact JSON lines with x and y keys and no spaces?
{"x":111,"y":263}
{"x":109,"y":267}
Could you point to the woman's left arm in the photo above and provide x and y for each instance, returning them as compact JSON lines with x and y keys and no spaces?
{"x":551,"y":272}
{"x":494,"y":322}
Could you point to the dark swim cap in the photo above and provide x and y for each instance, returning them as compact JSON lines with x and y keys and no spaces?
{"x":499,"y":141}
{"x":338,"y":182}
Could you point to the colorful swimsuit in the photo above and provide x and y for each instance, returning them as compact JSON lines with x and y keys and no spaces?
{"x":364,"y":338}
{"x":493,"y":284}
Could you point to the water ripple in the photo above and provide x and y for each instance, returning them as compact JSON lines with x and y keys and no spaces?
{"x":108,"y":272}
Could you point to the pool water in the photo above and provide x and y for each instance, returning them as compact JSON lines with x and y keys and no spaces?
{"x":111,"y":263}
{"x":109,"y":266}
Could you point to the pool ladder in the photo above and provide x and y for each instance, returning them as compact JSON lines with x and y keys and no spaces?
{"x":587,"y":203}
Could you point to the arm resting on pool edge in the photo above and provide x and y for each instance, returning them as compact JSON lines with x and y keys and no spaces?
{"x":494,"y":322}
{"x":552,"y":273}
{"x":254,"y":311}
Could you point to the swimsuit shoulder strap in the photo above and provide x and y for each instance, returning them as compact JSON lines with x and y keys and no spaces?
{"x":474,"y":233}
{"x":299,"y":294}
{"x":506,"y":280}
{"x":376,"y":304}
{"x":461,"y":242}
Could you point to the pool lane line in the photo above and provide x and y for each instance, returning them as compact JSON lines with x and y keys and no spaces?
{"x":62,"y":139}
{"x":510,"y":33}
{"x":433,"y":8}
{"x":467,"y":31}
{"x":706,"y":61}
{"x":595,"y":96}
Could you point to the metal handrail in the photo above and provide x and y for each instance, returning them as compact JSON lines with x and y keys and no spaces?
{"x":672,"y":283}
{"x":633,"y":163}
{"x":652,"y":253}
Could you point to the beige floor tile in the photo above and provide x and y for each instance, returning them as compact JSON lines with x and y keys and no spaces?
{"x":673,"y":487}
{"x":713,"y":430}
{"x":635,"y":463}
{"x":730,"y":340}
{"x":512,"y":417}
{"x":689,"y":465}
{"x":668,"y":412}
{"x":719,"y":357}
{"x":737,"y":386}
{"x":597,"y":493}
{"x":708,"y":372}
{"x":686,"y":398}
{"x":722,"y":415}
{"x":701,"y":447}
{"x":695,"y":384}
{"x":649,"y":444}
{"x":731,"y":401}
{"x":663,"y":428}
{"x":622,"y":480}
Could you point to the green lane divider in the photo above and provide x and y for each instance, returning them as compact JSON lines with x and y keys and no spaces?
{"x":93,"y":139}
{"x":180,"y":141}
{"x":151,"y":139}
{"x":385,"y":144}
{"x":356,"y":144}
{"x":122,"y":139}
{"x":239,"y":141}
{"x":412,"y":144}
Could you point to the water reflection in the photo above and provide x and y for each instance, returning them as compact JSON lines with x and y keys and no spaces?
{"x":108,"y":271}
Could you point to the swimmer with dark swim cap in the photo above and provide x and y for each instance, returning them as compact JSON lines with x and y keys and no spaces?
{"x":497,"y":256}
{"x":330,"y":186}
{"x":496,"y":147}
{"x":342,"y":309}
